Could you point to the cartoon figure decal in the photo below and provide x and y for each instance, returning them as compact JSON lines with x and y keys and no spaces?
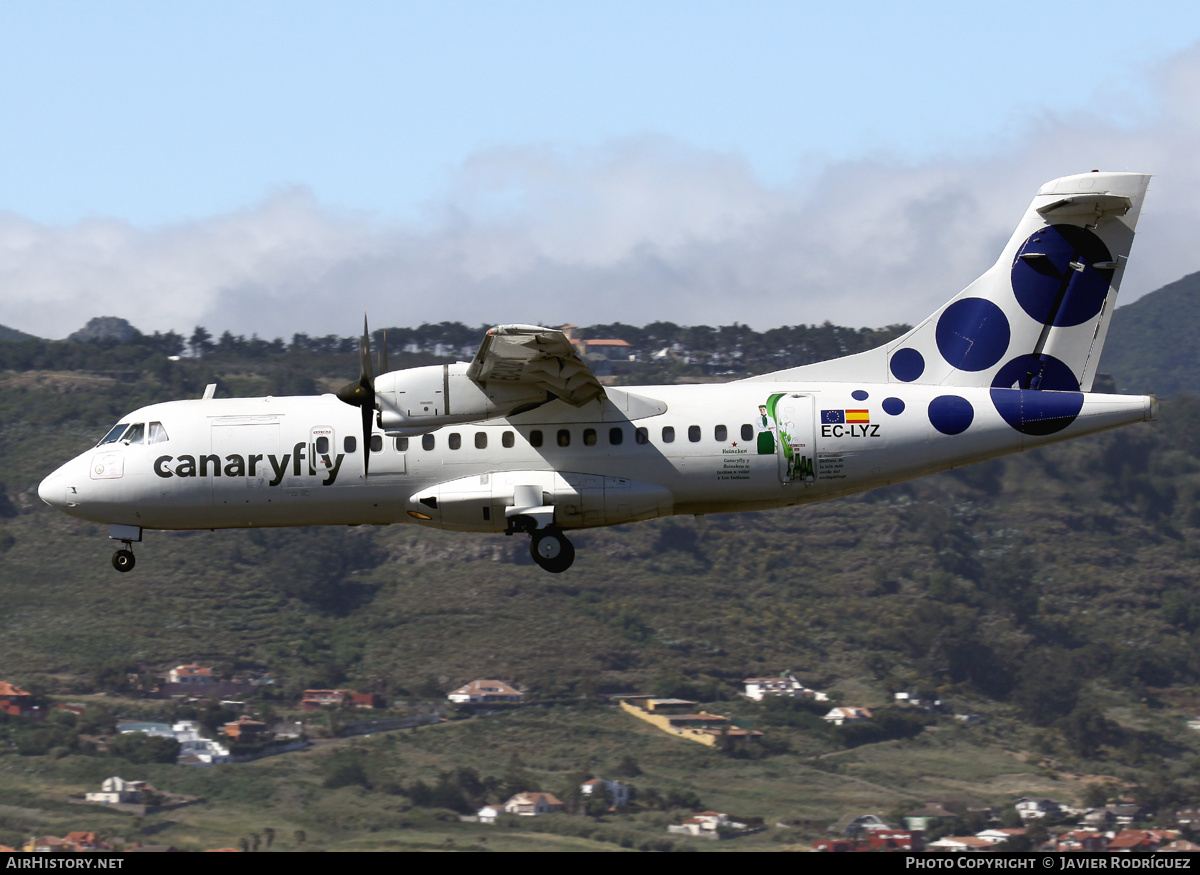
{"x":791,"y":418}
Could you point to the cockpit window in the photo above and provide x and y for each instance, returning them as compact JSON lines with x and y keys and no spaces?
{"x":135,"y":435}
{"x":114,"y":435}
{"x":158,"y":434}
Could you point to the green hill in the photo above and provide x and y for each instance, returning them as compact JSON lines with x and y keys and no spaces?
{"x":1053,"y":592}
{"x":7,"y":333}
{"x":1154,"y":345}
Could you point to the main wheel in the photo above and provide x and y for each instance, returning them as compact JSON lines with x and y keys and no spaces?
{"x":123,"y":560}
{"x":552,"y":551}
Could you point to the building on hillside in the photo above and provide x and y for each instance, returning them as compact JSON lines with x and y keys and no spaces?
{"x":1140,"y":840}
{"x":1037,"y":807}
{"x":707,"y":824}
{"x":997,"y":836}
{"x":488,"y":813}
{"x":879,"y":840}
{"x":486,"y":692}
{"x":840,"y":716}
{"x":928,"y":817}
{"x":655,"y":705}
{"x":784,"y":687}
{"x":616,"y":793}
{"x":15,"y":702}
{"x":533,"y":804}
{"x":960,"y":843}
{"x":190,"y":675}
{"x":1088,"y":840}
{"x":247,"y":731}
{"x":856,"y":824}
{"x":311,"y":700}
{"x":115,"y":790}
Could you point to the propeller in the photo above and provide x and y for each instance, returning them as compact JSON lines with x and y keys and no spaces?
{"x":362,"y":393}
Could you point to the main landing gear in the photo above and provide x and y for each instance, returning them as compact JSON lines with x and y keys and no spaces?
{"x":551,"y":550}
{"x":123,"y":560}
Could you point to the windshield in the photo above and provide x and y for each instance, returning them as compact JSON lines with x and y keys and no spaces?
{"x":112,"y":436}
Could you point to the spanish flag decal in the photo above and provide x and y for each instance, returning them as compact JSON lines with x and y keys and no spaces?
{"x":858,"y":416}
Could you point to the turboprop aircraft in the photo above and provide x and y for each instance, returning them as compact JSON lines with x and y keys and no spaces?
{"x":525,"y":439}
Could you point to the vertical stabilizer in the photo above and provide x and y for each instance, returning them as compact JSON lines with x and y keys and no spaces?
{"x":1038,"y":317}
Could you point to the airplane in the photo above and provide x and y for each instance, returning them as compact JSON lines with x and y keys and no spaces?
{"x":524,"y":439}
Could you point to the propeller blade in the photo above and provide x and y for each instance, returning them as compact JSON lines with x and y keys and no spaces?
{"x":362,"y":393}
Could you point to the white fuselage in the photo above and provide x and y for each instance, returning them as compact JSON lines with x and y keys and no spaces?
{"x":738,"y":446}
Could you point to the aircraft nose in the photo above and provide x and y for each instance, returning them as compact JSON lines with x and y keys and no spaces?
{"x":53,"y":490}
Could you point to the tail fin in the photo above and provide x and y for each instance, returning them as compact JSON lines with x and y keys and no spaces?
{"x":1038,"y":317}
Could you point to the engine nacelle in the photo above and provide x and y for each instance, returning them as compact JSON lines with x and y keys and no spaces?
{"x":419,"y":400}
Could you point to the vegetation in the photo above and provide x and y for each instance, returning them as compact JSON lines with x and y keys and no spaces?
{"x":1054,"y":593}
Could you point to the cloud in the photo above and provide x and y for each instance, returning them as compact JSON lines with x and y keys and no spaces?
{"x":638,"y":230}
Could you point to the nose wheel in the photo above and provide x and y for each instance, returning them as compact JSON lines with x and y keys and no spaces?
{"x":123,"y":559}
{"x":551,"y":550}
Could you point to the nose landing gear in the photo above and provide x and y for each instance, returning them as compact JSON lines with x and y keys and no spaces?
{"x":123,"y":559}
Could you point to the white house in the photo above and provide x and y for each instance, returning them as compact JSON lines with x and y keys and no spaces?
{"x":1037,"y":807}
{"x":617,"y":792}
{"x":788,"y":687}
{"x":115,"y":790}
{"x":707,"y":824}
{"x":488,"y":814}
{"x":533,"y":804}
{"x":838,"y":716}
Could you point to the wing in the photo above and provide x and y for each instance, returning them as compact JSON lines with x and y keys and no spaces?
{"x":541,"y":357}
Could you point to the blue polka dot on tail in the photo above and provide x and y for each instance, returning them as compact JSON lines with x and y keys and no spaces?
{"x":972,"y":334}
{"x":1037,"y":413}
{"x":1055,"y":278}
{"x":893,"y":406}
{"x":907,"y":365}
{"x":951,"y":414}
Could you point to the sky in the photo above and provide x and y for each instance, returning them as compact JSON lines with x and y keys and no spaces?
{"x":274,"y":167}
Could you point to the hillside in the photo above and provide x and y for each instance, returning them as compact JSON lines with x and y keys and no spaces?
{"x":7,"y":333}
{"x":1153,"y":345}
{"x":1054,"y":593}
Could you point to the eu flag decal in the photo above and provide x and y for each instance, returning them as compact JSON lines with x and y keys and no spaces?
{"x":833,"y":417}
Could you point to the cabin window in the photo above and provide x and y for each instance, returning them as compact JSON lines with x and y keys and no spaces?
{"x":323,"y":445}
{"x":507,"y":440}
{"x":694,"y":433}
{"x":481,"y":440}
{"x":721,"y":433}
{"x":589,"y":437}
{"x":668,"y":434}
{"x":564,"y":437}
{"x":158,"y":434}
{"x":376,"y":443}
{"x":349,"y":444}
{"x":114,"y":435}
{"x":747,"y":432}
{"x":616,"y":436}
{"x":136,"y":434}
{"x":401,"y":445}
{"x":454,"y":441}
{"x":642,"y":435}
{"x":535,"y":438}
{"x":427,"y":442}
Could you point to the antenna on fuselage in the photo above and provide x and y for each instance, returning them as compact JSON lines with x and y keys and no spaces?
{"x":209,"y":391}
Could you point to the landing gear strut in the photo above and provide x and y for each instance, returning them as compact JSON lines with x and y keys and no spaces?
{"x":551,"y":550}
{"x":123,"y":559}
